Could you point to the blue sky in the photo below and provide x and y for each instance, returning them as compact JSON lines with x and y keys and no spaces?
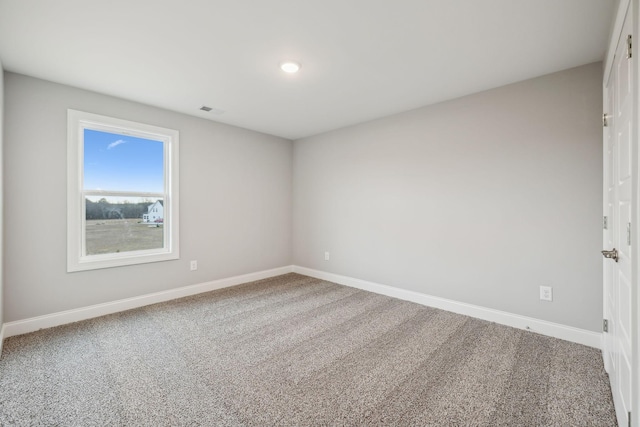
{"x":122,"y":163}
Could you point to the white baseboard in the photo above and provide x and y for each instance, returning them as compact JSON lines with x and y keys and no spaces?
{"x":19,"y":327}
{"x":556,"y":330}
{"x":580,"y":336}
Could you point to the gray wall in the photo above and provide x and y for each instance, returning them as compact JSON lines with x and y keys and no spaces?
{"x":480,"y":200}
{"x":235,"y":202}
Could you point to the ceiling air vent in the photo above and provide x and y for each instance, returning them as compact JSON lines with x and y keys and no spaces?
{"x":216,"y":111}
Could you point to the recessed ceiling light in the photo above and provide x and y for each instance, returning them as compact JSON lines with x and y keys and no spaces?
{"x":290,"y":67}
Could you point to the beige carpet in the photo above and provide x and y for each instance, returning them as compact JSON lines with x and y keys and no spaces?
{"x":298,"y":351}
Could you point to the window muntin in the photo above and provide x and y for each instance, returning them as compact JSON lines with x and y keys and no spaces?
{"x":122,"y":192}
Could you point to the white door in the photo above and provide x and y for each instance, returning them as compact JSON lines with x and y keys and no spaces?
{"x":617,"y":234}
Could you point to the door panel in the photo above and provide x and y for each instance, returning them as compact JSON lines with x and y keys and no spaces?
{"x":610,"y":227}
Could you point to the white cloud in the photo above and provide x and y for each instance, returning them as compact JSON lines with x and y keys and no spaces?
{"x":115,"y":144}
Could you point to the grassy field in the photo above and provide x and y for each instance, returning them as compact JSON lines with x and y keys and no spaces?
{"x":106,"y":236}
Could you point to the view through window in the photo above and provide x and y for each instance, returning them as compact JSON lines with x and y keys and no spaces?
{"x":115,"y":163}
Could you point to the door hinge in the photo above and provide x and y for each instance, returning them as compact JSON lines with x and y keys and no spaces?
{"x":605,"y":120}
{"x":629,"y":418}
{"x":629,"y":46}
{"x":605,"y":325}
{"x":605,"y":223}
{"x":629,"y":233}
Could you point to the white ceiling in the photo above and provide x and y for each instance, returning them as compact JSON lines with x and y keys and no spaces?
{"x":361,"y":59}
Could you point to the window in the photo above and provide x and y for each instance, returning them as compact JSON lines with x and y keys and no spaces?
{"x":122,"y":192}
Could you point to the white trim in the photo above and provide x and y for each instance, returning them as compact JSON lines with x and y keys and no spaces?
{"x":580,"y":336}
{"x":568,"y":333}
{"x":32,"y":324}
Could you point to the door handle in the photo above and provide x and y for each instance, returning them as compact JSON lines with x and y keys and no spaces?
{"x":613,"y":254}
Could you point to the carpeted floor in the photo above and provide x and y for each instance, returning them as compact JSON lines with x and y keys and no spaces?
{"x":298,"y":351}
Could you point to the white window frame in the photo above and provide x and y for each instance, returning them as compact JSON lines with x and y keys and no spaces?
{"x":77,"y":259}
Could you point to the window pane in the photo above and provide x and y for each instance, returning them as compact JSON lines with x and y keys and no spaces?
{"x":117,"y":162}
{"x":123,"y":224}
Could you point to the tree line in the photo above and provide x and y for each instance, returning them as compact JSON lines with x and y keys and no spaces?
{"x":103,"y":209}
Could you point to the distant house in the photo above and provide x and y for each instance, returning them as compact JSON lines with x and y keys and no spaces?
{"x":155,"y":213}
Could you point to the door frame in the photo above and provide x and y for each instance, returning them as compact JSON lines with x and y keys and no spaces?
{"x":623,"y":5}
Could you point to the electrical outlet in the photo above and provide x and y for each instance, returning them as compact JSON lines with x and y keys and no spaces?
{"x":326,"y":256}
{"x":546,"y":293}
{"x":194,"y":265}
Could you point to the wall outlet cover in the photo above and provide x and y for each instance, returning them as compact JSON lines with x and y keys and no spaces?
{"x":546,"y":293}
